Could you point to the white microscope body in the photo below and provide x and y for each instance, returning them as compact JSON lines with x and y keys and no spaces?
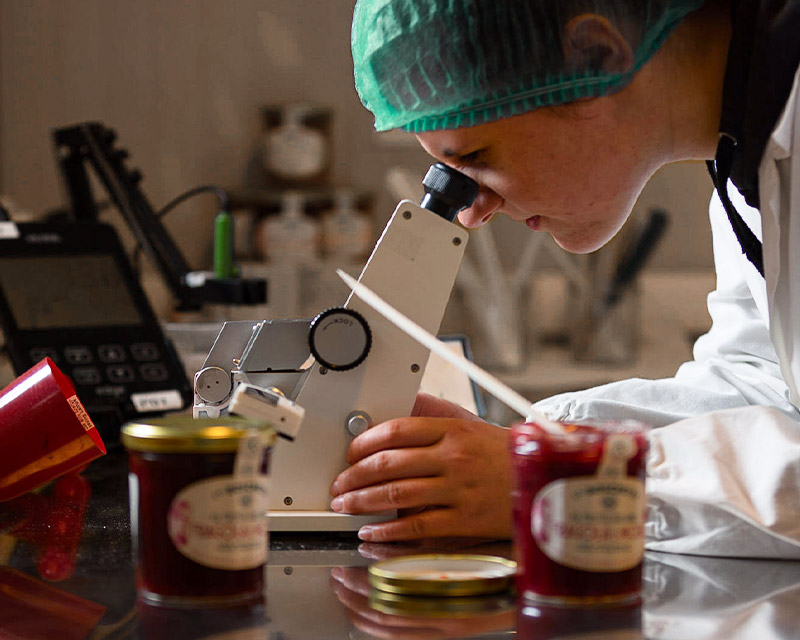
{"x":328,"y":369}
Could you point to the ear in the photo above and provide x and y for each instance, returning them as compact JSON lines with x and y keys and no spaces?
{"x":592,"y":42}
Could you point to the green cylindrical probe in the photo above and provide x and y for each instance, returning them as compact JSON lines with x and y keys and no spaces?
{"x":224,"y":266}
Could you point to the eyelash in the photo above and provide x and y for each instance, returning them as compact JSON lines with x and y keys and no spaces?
{"x":469,"y":157}
{"x":474,"y":160}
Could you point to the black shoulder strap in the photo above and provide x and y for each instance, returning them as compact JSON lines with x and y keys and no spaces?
{"x":762,"y":61}
{"x":720,"y":171}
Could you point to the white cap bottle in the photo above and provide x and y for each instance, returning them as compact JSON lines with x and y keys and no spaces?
{"x":291,"y":236}
{"x":346,"y":232}
{"x":294,"y":151}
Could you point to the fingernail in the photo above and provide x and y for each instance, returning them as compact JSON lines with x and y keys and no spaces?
{"x":335,"y":488}
{"x":365,"y":533}
{"x":337,"y":503}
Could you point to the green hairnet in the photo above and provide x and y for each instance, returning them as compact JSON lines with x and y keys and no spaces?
{"x":424,"y":65}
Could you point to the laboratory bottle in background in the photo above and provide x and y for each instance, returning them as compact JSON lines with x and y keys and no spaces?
{"x":346,"y":231}
{"x":293,"y":151}
{"x":292,"y":235}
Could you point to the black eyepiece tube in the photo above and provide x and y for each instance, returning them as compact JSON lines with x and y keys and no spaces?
{"x":447,"y":191}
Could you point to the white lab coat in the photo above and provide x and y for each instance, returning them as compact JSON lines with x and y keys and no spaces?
{"x":724,"y":463}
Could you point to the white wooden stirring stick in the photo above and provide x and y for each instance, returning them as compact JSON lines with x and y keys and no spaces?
{"x":491,"y":384}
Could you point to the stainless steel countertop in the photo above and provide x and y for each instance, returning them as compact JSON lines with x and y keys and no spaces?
{"x":316,"y":588}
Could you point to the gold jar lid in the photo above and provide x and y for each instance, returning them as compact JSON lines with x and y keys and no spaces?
{"x":474,"y":606}
{"x":443,"y":574}
{"x":184,"y":434}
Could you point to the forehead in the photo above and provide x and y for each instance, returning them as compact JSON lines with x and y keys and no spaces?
{"x":464,"y":140}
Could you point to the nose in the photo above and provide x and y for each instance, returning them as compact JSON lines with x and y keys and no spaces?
{"x":485,"y":206}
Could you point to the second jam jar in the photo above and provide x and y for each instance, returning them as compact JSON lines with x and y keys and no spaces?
{"x":199,"y":495}
{"x":579,"y":511}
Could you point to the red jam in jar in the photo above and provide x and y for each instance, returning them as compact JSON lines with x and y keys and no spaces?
{"x":199,"y":495}
{"x":579,"y":509}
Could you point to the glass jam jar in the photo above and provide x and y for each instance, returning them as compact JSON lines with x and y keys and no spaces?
{"x":579,"y":508}
{"x":199,"y":495}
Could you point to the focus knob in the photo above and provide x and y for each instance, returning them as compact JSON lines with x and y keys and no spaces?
{"x":339,"y":339}
{"x":448,"y":191}
{"x":212,"y":384}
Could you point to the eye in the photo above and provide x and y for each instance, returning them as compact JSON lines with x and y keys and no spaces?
{"x":473,"y":158}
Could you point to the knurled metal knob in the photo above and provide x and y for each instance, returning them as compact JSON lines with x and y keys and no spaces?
{"x":448,"y":191}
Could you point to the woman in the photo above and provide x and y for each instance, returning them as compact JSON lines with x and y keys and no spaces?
{"x":562,"y":110}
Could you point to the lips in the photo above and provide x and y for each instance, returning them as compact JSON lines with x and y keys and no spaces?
{"x":533,"y":222}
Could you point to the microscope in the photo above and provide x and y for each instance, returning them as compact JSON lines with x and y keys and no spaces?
{"x":346,"y":369}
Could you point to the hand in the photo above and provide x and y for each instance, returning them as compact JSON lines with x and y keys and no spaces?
{"x":456,"y":545}
{"x":445,"y":470}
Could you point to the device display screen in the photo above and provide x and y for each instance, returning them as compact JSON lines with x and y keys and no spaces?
{"x":69,"y":291}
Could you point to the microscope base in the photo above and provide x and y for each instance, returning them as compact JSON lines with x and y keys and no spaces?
{"x":321,"y":521}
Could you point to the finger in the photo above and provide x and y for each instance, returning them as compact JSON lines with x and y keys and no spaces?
{"x":396,"y":434}
{"x":383,"y":551}
{"x":432,"y":523}
{"x":353,"y":600}
{"x":390,"y":627}
{"x":484,"y":546}
{"x":379,"y":551}
{"x":399,"y":494}
{"x":433,"y":407}
{"x":355,"y":579}
{"x":380,"y":624}
{"x":385,"y":466}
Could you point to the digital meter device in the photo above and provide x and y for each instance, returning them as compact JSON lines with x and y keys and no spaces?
{"x":68,"y":292}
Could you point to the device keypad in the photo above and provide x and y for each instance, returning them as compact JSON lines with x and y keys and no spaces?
{"x":78,"y":354}
{"x":153,"y":372}
{"x":139,"y":362}
{"x":112,"y":353}
{"x":86,"y":375}
{"x":145,"y":351}
{"x":40,"y":353}
{"x":120,"y":373}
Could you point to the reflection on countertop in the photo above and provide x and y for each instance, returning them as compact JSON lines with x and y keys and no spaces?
{"x":317,"y":586}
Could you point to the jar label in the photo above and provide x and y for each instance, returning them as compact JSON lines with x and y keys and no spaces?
{"x":221,"y":522}
{"x":592,"y":523}
{"x":80,"y":413}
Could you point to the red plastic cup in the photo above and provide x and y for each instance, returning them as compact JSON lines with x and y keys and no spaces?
{"x":579,"y":510}
{"x":45,"y":431}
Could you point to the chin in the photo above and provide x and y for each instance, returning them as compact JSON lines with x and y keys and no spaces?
{"x":579,"y":245}
{"x":588,"y":238}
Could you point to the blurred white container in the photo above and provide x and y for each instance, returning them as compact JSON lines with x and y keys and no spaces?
{"x":291,"y":236}
{"x":292,"y":150}
{"x":346,"y":231}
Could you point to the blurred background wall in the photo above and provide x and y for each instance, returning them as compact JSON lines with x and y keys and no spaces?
{"x":183,"y":82}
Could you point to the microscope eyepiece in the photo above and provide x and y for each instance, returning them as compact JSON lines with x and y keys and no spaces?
{"x":447,"y":191}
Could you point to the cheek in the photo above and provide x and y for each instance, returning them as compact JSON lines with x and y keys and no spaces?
{"x":600,"y":187}
{"x":548,"y":192}
{"x":584,"y":182}
{"x":589,"y":228}
{"x":523,"y":187}
{"x":545,"y":180}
